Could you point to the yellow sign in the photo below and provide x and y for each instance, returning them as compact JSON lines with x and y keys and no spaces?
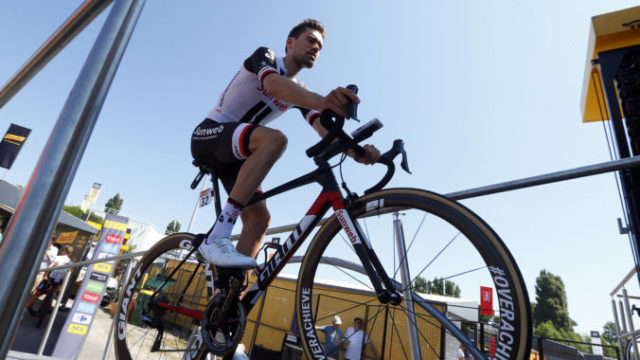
{"x":14,"y":137}
{"x":102,"y":267}
{"x":66,"y":237}
{"x":95,"y":224}
{"x":609,"y":31}
{"x":115,"y":225}
{"x":77,"y":329}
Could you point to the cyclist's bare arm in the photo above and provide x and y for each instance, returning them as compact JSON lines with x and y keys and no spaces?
{"x":293,"y":93}
{"x":337,"y":100}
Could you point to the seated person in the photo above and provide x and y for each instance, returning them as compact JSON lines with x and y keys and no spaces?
{"x":53,"y":278}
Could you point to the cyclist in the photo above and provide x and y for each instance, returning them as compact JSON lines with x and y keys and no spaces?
{"x":233,"y":139}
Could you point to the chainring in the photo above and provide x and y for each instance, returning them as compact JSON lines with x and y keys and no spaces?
{"x":223,"y":339}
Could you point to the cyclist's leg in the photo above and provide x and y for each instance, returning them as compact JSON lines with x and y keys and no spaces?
{"x":265,"y":146}
{"x":258,"y":148}
{"x":255,"y":221}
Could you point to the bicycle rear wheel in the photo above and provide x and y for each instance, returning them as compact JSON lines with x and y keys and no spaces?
{"x":446,"y":249}
{"x":146,"y":330}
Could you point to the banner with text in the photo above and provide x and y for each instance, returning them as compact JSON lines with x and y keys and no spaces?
{"x":11,"y":144}
{"x":89,"y":294}
{"x":486,"y":301}
{"x":94,"y":192}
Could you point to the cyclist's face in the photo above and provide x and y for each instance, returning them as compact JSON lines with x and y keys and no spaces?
{"x":306,"y":48}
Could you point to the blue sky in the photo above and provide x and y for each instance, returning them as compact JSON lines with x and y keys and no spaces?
{"x":481,"y":92}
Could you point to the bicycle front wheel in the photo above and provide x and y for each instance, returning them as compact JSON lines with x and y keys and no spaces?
{"x":158,"y":314}
{"x":438,"y":255}
{"x":630,"y":351}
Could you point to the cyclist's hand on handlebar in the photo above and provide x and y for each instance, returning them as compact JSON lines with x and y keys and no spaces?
{"x":338,"y":100}
{"x":370,"y":157}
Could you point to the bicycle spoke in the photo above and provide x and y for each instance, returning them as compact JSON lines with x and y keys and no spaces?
{"x":452,"y":276}
{"x":435,"y":247}
{"x":432,"y":260}
{"x":339,"y":268}
{"x":166,"y":277}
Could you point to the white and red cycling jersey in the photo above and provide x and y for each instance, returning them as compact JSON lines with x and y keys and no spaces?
{"x":245,"y":99}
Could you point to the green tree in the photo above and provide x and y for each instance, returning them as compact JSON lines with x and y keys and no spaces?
{"x":609,"y":337}
{"x":547,"y":330}
{"x":437,"y":286}
{"x":609,"y":352}
{"x":113,"y":205}
{"x":551,"y":302}
{"x":77,"y":212}
{"x":173,"y":227}
{"x":420,"y":285}
{"x":609,"y":332}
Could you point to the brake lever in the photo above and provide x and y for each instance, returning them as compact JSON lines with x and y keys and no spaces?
{"x":404,"y":163}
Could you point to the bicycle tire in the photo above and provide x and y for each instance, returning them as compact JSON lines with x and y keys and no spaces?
{"x":628,"y":351}
{"x":482,"y":245}
{"x":133,"y":337}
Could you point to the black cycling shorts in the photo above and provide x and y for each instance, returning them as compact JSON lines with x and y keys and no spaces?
{"x":222,"y":146}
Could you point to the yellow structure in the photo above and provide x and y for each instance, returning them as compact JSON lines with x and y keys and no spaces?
{"x":273,"y":316}
{"x":609,"y":31}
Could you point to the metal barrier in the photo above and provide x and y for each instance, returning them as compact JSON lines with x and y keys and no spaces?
{"x":622,"y":333}
{"x":65,"y":284}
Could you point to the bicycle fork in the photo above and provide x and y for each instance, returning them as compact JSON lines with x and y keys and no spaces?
{"x":384,"y":287}
{"x":392,"y":291}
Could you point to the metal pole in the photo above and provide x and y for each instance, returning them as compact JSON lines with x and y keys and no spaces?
{"x":631,"y":328}
{"x":56,"y":42}
{"x":52,"y":319}
{"x":617,"y":321}
{"x":123,"y":281}
{"x":406,"y":285}
{"x":623,"y":282}
{"x":622,"y":317}
{"x":35,"y":217}
{"x":195,"y":210}
{"x":548,"y":178}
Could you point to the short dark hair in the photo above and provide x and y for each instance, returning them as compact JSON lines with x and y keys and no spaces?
{"x":358,"y":319}
{"x":306,"y":23}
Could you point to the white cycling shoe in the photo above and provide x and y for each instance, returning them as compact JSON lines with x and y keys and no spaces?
{"x":221,"y":252}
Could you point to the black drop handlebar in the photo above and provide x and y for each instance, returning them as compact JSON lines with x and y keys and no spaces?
{"x":326,"y":148}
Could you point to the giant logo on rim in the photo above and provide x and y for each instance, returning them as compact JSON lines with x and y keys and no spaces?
{"x":122,"y":312}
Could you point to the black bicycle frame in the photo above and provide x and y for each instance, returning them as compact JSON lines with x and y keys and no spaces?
{"x":330,"y":196}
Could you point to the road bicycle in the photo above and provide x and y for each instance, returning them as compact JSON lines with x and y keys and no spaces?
{"x":169,"y":309}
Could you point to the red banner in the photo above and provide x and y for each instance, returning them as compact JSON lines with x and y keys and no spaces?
{"x":486,"y":301}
